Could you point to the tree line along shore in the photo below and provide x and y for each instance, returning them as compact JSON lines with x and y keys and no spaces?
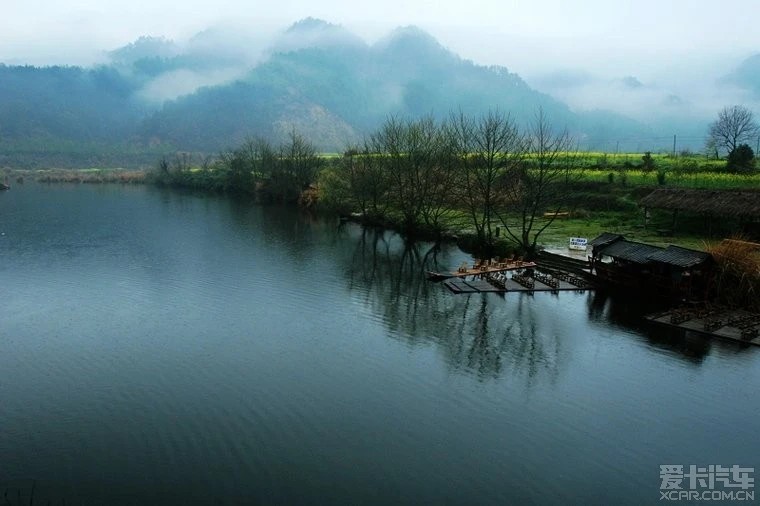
{"x":499,"y":187}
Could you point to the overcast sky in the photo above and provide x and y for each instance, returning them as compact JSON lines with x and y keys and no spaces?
{"x":675,"y":47}
{"x":524,"y":35}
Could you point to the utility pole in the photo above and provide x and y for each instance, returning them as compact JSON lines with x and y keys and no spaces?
{"x":674,"y":145}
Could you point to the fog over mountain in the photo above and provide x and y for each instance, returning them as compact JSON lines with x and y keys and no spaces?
{"x":211,"y":89}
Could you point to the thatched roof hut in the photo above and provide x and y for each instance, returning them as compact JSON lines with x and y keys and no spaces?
{"x":618,"y":247}
{"x":729,"y":203}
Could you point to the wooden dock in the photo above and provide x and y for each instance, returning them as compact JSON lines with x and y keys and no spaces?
{"x":471,"y":286}
{"x":732,"y":324}
{"x":481,"y":285}
{"x":482,"y":270}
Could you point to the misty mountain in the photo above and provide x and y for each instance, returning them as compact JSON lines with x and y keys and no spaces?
{"x":67,"y":103}
{"x":219,"y":87}
{"x":144,"y":48}
{"x":334,"y":88}
{"x":747,"y":76}
{"x":315,"y":33}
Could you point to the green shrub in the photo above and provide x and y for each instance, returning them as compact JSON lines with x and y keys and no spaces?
{"x":741,"y":159}
{"x":647,"y":162}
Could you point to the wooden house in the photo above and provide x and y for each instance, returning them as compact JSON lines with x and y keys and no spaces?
{"x":673,"y":272}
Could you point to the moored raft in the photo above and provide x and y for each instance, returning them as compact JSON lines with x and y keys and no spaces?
{"x":732,"y":324}
{"x":481,"y":268}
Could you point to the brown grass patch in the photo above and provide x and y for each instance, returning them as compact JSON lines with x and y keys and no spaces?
{"x":737,"y":272}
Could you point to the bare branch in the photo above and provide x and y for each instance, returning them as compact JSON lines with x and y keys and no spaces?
{"x":735,"y":125}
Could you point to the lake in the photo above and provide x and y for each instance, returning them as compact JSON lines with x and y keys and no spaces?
{"x":161,"y":347}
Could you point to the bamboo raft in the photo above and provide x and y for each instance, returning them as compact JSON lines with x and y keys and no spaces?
{"x":491,"y":276}
{"x":732,"y":324}
{"x":481,"y":268}
{"x":509,"y":286}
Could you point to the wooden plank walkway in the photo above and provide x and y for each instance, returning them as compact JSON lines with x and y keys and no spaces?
{"x":697,"y":324}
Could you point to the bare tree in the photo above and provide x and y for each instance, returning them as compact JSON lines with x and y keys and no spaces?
{"x":485,"y":150}
{"x":287,"y":170}
{"x":367,"y":183}
{"x":413,"y":154}
{"x":735,"y":125}
{"x":300,"y":160}
{"x":438,"y":172}
{"x":247,"y":164}
{"x":538,"y":186}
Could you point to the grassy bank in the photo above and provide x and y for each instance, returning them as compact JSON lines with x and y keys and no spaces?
{"x":620,"y":222}
{"x":605,"y":191}
{"x":596,"y":207}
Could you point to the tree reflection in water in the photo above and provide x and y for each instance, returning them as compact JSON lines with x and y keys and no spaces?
{"x":480,"y":333}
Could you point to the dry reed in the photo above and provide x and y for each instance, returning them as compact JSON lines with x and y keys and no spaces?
{"x":737,"y":279}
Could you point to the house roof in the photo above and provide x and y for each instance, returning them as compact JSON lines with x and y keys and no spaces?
{"x":737,"y":203}
{"x":604,"y":239}
{"x":681,"y":257}
{"x":641,"y":253}
{"x":636,"y":252}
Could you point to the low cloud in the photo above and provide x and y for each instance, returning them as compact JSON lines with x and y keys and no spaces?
{"x":174,"y":84}
{"x":682,"y":107}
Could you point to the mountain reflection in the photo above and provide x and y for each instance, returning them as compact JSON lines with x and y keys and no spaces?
{"x":480,"y":333}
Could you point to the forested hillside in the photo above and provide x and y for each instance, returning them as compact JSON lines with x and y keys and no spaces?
{"x":155,"y":96}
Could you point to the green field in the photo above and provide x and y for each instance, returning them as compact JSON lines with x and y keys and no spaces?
{"x":681,"y":171}
{"x":677,"y":179}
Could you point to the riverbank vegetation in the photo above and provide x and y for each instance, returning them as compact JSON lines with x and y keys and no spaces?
{"x":737,"y":272}
{"x":495,"y":186}
{"x":499,"y":185}
{"x":625,"y":170}
{"x":485,"y":174}
{"x":255,"y":168}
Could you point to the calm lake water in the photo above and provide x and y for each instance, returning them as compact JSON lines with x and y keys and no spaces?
{"x":167,"y":348}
